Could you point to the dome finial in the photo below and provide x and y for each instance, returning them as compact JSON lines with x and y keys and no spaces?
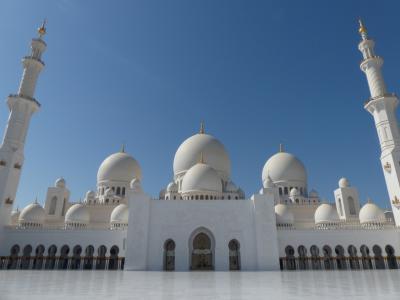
{"x":369,"y":200}
{"x":123,"y":148}
{"x":281,"y":148}
{"x":202,"y":127}
{"x":36,"y":201}
{"x":362,"y":29}
{"x":42,"y":29}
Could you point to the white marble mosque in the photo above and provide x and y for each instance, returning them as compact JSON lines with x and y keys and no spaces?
{"x":201,"y":220}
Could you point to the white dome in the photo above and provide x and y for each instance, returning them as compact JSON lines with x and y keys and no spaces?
{"x":77,"y":213}
{"x":268,"y":183}
{"x":326,"y":213}
{"x":231,"y":187}
{"x":33,"y":213}
{"x":285,"y":167}
{"x":120,"y":214}
{"x":90,"y":194}
{"x":294,"y":192}
{"x":371,"y":213}
{"x":201,"y":177}
{"x":172,"y":187}
{"x":119,"y":167}
{"x":343,"y":183}
{"x":214,"y":154}
{"x":283,"y":215}
{"x":60,"y":183}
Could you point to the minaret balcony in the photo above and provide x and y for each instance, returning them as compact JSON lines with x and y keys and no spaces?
{"x":25,"y":98}
{"x":387,"y":95}
{"x":29,"y":57}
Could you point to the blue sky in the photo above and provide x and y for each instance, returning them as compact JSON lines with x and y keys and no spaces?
{"x":145,"y":73}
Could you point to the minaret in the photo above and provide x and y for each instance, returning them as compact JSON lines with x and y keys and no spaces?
{"x":22,"y":106}
{"x":382,"y":106}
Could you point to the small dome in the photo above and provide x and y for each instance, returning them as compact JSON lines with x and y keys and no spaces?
{"x":172,"y":187}
{"x":343,"y":183}
{"x":283,"y":215}
{"x":313,"y":194}
{"x":33,"y":213}
{"x":326,"y":213}
{"x":15,"y":216}
{"x":60,"y":183}
{"x":77,"y":214}
{"x":285,"y":167}
{"x":231,"y":187}
{"x":90,"y":194}
{"x":214,"y":153}
{"x":120,"y":215}
{"x":294,"y":192}
{"x":119,"y":167}
{"x":201,"y":177}
{"x":136,"y":185}
{"x":371,"y":213}
{"x":268,"y":183}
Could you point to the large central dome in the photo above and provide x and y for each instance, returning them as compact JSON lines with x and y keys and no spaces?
{"x":213,"y":151}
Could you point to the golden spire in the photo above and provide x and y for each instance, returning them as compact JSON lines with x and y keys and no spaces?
{"x":369,"y":200}
{"x":281,"y":148}
{"x":362,"y":30}
{"x":42,"y":29}
{"x":202,"y":127}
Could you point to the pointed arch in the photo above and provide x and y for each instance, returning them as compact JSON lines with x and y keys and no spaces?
{"x":202,"y":249}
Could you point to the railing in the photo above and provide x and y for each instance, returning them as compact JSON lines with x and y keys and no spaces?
{"x":61,"y":263}
{"x":380,"y":96}
{"x":24,"y":97}
{"x":339,"y":263}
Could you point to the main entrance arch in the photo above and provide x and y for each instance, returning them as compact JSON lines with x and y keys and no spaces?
{"x":202,"y":251}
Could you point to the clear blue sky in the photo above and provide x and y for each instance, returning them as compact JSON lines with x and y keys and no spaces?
{"x":147,"y":72}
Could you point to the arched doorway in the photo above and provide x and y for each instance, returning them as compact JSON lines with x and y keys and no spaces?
{"x":340,"y":258}
{"x":202,"y":254}
{"x":290,"y":259}
{"x":169,"y":255}
{"x":88,"y":260}
{"x":354,"y":262}
{"x":64,"y":259}
{"x":315,"y":259}
{"x":101,"y":258}
{"x":13,"y":260}
{"x":234,"y":255}
{"x":391,"y":258}
{"x":76,"y":258}
{"x":303,"y":259}
{"x":327,"y":251}
{"x":379,"y":261}
{"x":26,"y":257}
{"x":113,"y":260}
{"x":38,"y":260}
{"x":51,"y":258}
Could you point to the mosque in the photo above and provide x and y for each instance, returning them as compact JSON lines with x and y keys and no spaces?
{"x":201,"y":220}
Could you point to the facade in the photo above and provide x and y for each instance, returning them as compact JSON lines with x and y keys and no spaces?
{"x":201,"y":220}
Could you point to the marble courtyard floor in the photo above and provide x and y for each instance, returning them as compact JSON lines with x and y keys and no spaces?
{"x":109,"y":285}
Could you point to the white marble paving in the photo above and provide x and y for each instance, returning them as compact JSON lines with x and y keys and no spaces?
{"x":199,"y":285}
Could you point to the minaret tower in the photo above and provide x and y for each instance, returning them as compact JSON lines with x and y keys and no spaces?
{"x":22,"y":106}
{"x":382,"y":105}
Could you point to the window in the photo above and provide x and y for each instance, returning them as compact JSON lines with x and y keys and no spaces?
{"x":53,"y":206}
{"x":2,"y":163}
{"x":340,"y":207}
{"x":352,"y":206}
{"x":286,"y":190}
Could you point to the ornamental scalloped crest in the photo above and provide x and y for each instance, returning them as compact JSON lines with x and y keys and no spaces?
{"x":396,"y":202}
{"x":388,"y":167}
